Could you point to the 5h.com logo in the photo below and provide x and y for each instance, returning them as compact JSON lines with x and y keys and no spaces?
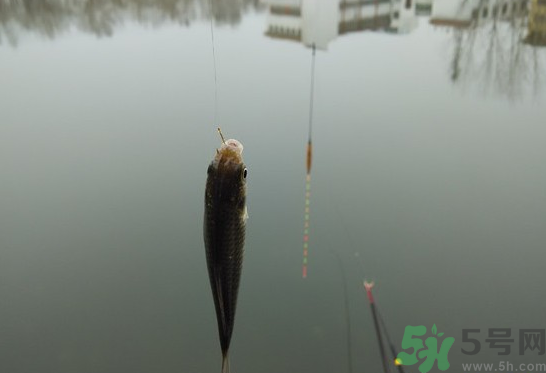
{"x":427,"y":356}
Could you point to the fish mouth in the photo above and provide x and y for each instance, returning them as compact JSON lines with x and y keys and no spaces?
{"x":230,"y":152}
{"x":235,"y":145}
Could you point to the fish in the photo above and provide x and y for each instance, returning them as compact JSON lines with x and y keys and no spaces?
{"x":224,"y":230}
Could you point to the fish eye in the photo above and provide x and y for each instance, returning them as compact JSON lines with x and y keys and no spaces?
{"x":244,"y":173}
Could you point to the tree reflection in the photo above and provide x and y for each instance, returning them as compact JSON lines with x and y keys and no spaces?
{"x":489,"y":50}
{"x":101,"y":17}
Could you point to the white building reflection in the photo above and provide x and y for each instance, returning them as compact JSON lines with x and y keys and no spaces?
{"x":490,"y":38}
{"x":320,"y":22}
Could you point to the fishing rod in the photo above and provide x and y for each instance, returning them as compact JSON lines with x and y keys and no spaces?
{"x":379,"y":322}
{"x":378,"y":319}
{"x":347,"y":313}
{"x":391,"y":345}
{"x":375,"y":311}
{"x":369,"y":286}
{"x":308,"y":175}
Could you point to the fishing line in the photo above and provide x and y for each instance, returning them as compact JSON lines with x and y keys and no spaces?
{"x":312,"y":92}
{"x":214,"y":63}
{"x":379,"y":323}
{"x":348,"y":234}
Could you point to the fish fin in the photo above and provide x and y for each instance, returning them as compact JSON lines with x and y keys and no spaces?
{"x":225,"y":363}
{"x":245,"y":214}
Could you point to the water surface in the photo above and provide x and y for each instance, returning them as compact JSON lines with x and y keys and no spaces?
{"x":428,"y":177}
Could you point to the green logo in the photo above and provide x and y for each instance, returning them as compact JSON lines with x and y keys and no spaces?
{"x":431,"y":353}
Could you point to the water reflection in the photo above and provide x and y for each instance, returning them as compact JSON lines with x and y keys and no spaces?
{"x":491,"y":38}
{"x":320,"y":22}
{"x":493,"y":41}
{"x":100,"y":17}
{"x":489,"y":44}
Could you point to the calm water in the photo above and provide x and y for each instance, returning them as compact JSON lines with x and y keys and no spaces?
{"x":428,"y":177}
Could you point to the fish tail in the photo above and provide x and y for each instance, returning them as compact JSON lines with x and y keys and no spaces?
{"x":225,"y":362}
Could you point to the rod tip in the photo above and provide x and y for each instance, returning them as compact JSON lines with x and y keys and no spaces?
{"x":368,"y":285}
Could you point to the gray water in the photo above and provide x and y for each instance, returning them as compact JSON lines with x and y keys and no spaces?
{"x":428,"y":177}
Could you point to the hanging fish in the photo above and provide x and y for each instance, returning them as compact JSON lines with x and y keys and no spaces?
{"x":224,"y":234}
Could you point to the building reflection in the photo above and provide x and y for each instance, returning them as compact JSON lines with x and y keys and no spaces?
{"x":320,"y":22}
{"x":491,"y":39}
